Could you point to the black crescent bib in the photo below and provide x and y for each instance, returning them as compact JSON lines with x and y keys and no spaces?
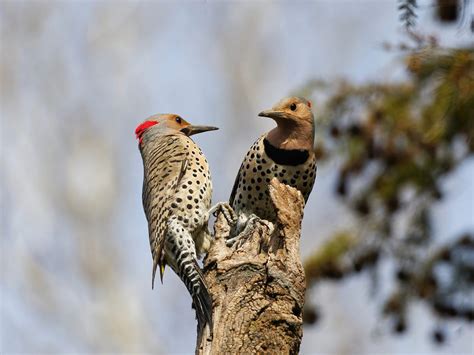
{"x":291,"y":157}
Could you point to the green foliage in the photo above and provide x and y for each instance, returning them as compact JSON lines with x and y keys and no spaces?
{"x":395,"y":143}
{"x":321,"y":263}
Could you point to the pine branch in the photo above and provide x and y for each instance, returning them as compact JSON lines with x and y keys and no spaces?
{"x":407,"y":9}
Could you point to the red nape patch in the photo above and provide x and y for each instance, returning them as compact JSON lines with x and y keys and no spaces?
{"x":142,"y":128}
{"x":309,"y":104}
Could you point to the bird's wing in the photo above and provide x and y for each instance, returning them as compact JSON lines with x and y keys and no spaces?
{"x":311,"y":182}
{"x":164,"y":170}
{"x":237,"y":178}
{"x":236,"y":184}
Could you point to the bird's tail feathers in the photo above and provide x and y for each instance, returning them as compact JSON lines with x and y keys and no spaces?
{"x":194,"y":281}
{"x":203,"y":301}
{"x":162,"y":266}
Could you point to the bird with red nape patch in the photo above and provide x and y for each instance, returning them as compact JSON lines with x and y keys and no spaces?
{"x":177,"y":191}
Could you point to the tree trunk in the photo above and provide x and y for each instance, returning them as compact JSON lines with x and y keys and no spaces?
{"x":257,"y":285}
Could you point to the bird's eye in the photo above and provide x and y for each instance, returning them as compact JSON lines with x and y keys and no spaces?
{"x":293,"y":107}
{"x":178,"y":119}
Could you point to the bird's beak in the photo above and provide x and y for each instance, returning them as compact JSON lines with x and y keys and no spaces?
{"x":190,"y":130}
{"x":273,"y":114}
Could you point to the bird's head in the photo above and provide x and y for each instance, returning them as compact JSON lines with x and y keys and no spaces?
{"x":295,"y":121}
{"x":167,"y":123}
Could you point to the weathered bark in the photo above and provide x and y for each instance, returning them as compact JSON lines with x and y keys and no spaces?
{"x":257,"y":285}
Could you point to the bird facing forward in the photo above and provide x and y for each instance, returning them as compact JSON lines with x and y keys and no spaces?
{"x":285,"y":152}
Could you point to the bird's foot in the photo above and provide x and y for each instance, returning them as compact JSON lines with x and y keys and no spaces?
{"x":244,"y":226}
{"x":227,"y":210}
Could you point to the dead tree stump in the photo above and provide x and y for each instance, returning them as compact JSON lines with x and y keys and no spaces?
{"x":257,"y":285}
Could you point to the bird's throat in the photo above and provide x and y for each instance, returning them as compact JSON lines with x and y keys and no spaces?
{"x":295,"y":137}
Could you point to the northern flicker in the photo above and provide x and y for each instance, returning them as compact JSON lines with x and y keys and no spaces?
{"x":286,"y":152}
{"x":177,"y":192}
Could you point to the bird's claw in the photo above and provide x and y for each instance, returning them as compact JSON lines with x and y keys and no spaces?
{"x":247,"y":226}
{"x":268,"y":224}
{"x":229,"y":242}
{"x":227,"y":210}
{"x":254,"y":219}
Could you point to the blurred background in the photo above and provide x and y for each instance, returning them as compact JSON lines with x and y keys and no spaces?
{"x":388,"y":231}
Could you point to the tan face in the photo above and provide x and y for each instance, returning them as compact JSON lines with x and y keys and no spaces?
{"x":295,"y":124}
{"x":291,"y":109}
{"x":169,"y":122}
